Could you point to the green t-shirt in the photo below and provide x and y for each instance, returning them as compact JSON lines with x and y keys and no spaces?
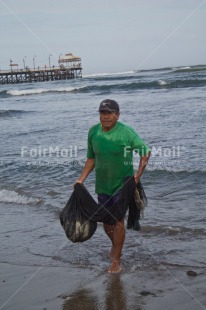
{"x":113,"y":154}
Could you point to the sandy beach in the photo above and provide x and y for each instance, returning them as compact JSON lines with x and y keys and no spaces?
{"x":52,"y":288}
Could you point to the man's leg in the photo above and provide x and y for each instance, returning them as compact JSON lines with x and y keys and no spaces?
{"x":109,"y":230}
{"x":117,"y":238}
{"x":116,"y":233}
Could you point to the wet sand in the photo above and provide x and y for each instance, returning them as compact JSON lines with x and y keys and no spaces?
{"x":52,"y":288}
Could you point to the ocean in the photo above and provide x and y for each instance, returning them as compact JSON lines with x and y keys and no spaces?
{"x":43,"y":133}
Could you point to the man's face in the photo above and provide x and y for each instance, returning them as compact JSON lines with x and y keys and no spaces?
{"x":108,"y":119}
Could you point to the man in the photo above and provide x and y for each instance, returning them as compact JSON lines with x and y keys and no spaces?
{"x":110,"y":152}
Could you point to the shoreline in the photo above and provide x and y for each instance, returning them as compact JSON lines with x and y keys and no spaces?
{"x":52,"y":288}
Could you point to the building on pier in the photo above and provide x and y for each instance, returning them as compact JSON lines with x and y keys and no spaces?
{"x":69,"y":60}
{"x":69,"y":67}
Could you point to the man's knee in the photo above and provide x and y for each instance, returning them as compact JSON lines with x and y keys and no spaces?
{"x":119,"y":225}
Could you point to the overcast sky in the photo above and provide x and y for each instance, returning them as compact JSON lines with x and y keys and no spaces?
{"x":109,"y":36}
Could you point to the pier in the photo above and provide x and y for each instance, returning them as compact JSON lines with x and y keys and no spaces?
{"x":69,"y":67}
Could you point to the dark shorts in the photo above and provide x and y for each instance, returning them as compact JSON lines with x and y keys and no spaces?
{"x":108,"y":203}
{"x":108,"y":200}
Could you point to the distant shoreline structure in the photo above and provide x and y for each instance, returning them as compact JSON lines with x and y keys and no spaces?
{"x":69,"y":67}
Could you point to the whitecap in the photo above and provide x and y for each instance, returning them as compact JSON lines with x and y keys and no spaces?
{"x":183,"y":68}
{"x":93,"y":75}
{"x":41,"y":90}
{"x":161,"y":82}
{"x":27,"y":91}
{"x":66,"y":89}
{"x":14,"y":197}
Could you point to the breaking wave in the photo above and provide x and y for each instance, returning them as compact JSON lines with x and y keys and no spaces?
{"x":14,"y":197}
{"x":41,"y":91}
{"x":96,"y":75}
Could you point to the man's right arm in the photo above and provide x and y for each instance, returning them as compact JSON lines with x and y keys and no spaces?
{"x":88,"y":167}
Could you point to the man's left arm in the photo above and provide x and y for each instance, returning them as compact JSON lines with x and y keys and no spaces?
{"x":142,"y":164}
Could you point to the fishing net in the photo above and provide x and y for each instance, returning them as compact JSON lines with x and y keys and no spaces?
{"x":77,"y":227}
{"x":80,"y":215}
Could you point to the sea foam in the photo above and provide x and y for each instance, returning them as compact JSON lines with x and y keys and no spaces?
{"x":41,"y":91}
{"x":94,"y":75}
{"x":14,"y":197}
{"x":161,"y":82}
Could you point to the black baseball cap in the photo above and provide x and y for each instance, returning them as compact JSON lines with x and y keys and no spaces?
{"x":109,"y":105}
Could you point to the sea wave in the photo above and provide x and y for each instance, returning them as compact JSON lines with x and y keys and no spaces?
{"x":125,"y":86}
{"x":161,"y":82}
{"x":176,"y":69}
{"x":13,"y":197}
{"x":3,"y":94}
{"x":175,"y":169}
{"x":9,"y":113}
{"x":155,"y":70}
{"x":189,"y":69}
{"x":167,"y":69}
{"x":96,"y":75}
{"x":181,"y":68}
{"x":141,"y":85}
{"x":41,"y":91}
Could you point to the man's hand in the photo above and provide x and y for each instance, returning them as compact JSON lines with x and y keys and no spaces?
{"x":142,"y":164}
{"x":78,"y":181}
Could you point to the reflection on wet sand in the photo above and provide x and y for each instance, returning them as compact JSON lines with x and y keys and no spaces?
{"x":80,"y":300}
{"x":114,"y":294}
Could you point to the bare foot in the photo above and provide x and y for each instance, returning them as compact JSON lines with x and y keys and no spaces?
{"x":115,"y":267}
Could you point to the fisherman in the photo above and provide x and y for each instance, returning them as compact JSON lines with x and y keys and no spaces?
{"x":110,"y":151}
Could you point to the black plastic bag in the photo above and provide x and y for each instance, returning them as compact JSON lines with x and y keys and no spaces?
{"x":77,"y":227}
{"x":80,"y":215}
